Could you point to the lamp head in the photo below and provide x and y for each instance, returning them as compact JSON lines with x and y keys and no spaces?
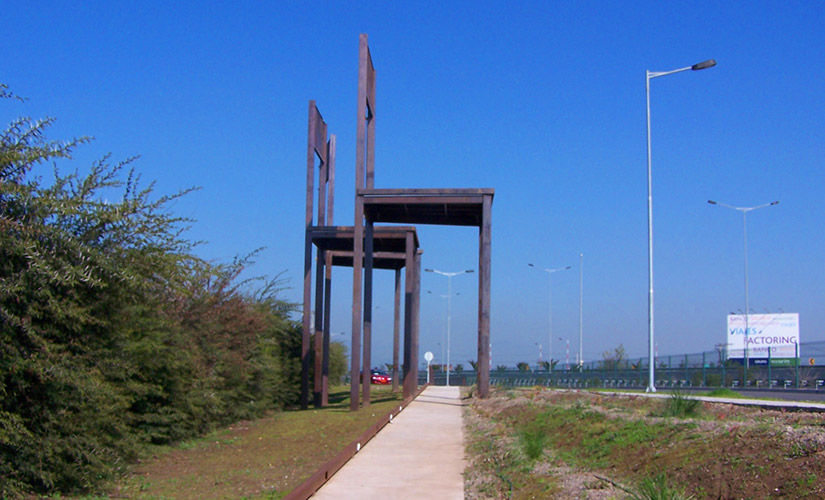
{"x":774,"y":203}
{"x":429,"y":270}
{"x":704,"y":65}
{"x":712,"y":202}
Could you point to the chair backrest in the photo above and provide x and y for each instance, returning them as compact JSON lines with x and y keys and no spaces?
{"x":365,"y":126}
{"x":322,"y":149}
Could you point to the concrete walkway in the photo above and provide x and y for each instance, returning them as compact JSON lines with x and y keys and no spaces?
{"x":762,"y":403}
{"x":419,"y":455}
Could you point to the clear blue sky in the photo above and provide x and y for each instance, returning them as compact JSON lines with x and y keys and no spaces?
{"x":543,"y":101}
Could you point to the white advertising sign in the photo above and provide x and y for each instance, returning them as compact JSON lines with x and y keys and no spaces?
{"x":769,"y":335}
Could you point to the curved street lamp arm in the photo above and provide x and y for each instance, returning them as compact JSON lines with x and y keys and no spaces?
{"x":743,"y":209}
{"x":696,"y":67}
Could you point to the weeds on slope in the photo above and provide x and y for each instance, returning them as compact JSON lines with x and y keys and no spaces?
{"x":539,"y":437}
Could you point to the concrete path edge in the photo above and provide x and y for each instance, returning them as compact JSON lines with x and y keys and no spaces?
{"x":312,"y":484}
{"x":760,"y":403}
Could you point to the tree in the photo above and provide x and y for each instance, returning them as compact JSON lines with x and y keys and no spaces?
{"x":459,"y":368}
{"x":474,"y":364}
{"x":613,"y":360}
{"x":523,"y":366}
{"x":548,"y":365}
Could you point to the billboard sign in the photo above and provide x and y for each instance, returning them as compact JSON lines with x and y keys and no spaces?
{"x":770,"y":336}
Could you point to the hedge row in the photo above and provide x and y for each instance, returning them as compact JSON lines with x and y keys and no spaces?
{"x":113,"y":334}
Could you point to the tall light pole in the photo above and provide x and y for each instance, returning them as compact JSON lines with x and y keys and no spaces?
{"x":581,"y":303}
{"x":567,"y":353}
{"x":550,"y":308}
{"x":651,"y":386}
{"x":449,"y":307}
{"x":745,"y":211}
{"x":444,"y":333}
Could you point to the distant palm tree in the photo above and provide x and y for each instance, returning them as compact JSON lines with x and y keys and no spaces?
{"x":523,"y":366}
{"x":474,"y":364}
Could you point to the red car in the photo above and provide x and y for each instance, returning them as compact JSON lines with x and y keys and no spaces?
{"x":380,"y":377}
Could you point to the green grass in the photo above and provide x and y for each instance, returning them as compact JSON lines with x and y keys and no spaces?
{"x":510,"y":464}
{"x":589,"y":438}
{"x":215,"y":437}
{"x":723,"y":393}
{"x":657,"y":488}
{"x":613,"y":389}
{"x":589,"y":432}
{"x":260,"y":459}
{"x":605,"y":441}
{"x":533,"y":443}
{"x":807,"y":483}
{"x":727,"y":393}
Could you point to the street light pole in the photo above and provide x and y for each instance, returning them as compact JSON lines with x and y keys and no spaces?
{"x":651,"y":386}
{"x":745,"y":211}
{"x":581,"y":302}
{"x":444,"y":332}
{"x":449,"y":307}
{"x":550,"y":308}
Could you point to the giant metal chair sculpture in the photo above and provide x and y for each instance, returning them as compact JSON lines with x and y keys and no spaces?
{"x":457,"y":207}
{"x":372,"y":248}
{"x":395,"y":249}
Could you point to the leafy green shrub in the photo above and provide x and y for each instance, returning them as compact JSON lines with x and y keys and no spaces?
{"x":113,"y":334}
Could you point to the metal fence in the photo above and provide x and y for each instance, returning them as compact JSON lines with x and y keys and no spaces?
{"x":709,"y":369}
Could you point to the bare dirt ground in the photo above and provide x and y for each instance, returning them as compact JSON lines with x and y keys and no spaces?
{"x":597,"y":444}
